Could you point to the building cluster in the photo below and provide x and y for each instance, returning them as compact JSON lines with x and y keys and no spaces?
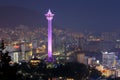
{"x":108,"y":66}
{"x":23,"y":43}
{"x":28,"y":41}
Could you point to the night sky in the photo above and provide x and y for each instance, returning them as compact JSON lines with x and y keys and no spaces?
{"x":76,"y":14}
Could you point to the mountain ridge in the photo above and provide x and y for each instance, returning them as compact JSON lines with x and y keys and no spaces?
{"x":11,"y":16}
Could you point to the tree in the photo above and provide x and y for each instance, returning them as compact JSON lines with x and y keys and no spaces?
{"x":78,"y":71}
{"x":9,"y":72}
{"x":6,"y":59}
{"x":75,"y":70}
{"x":94,"y":73}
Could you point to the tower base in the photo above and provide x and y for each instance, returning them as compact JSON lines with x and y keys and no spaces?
{"x":50,"y":59}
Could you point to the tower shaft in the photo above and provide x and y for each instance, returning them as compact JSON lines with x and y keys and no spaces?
{"x":49,"y":38}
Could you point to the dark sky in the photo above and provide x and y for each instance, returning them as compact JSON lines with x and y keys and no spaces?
{"x":76,"y":14}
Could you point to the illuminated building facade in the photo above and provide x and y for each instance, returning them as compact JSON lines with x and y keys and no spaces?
{"x":81,"y":57}
{"x":109,"y":59}
{"x":49,"y":17}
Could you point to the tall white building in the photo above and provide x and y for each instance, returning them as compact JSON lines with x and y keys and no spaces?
{"x":109,"y":59}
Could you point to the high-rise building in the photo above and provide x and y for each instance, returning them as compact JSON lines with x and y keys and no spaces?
{"x":15,"y":57}
{"x":109,"y":59}
{"x":49,"y":17}
{"x":91,"y":60}
{"x":81,"y":57}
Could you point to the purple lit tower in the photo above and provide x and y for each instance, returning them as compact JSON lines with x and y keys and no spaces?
{"x":49,"y":17}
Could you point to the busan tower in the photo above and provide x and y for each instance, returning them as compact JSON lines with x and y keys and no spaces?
{"x":49,"y":17}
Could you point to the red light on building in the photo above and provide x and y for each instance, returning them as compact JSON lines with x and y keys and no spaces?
{"x":16,"y":46}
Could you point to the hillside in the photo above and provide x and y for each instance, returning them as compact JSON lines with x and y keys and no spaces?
{"x":12,"y":16}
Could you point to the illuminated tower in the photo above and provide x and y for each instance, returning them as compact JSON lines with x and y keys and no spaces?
{"x":49,"y":17}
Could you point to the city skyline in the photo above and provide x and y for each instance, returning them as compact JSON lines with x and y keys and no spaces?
{"x":82,"y":42}
{"x":77,"y":15}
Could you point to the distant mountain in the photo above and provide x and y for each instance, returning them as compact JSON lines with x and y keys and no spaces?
{"x":12,"y":16}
